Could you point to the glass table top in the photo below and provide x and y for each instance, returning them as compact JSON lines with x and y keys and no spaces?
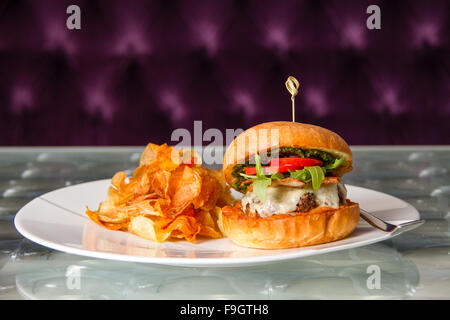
{"x":414,"y":265}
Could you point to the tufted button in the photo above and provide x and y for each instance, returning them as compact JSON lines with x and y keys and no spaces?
{"x":21,"y":98}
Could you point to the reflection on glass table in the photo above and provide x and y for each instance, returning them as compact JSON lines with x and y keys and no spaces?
{"x":341,"y":275}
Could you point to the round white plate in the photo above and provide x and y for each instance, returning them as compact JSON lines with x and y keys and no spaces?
{"x":57,"y":220}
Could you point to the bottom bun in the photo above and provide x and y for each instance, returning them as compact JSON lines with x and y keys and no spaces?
{"x":320,"y":225}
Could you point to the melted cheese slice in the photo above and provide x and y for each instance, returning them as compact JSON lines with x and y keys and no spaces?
{"x":284,"y":199}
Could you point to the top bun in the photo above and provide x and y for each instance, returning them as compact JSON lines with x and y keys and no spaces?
{"x":277,"y":134}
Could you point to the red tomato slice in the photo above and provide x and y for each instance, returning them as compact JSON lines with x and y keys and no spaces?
{"x":272,"y":169}
{"x":295,"y":161}
{"x":250,"y":170}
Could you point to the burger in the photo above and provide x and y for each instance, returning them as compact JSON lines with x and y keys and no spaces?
{"x":290,"y":176}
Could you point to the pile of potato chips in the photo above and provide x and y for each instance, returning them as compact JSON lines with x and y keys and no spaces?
{"x":169,"y":196}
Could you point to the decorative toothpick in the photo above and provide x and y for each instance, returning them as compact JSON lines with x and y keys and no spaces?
{"x":292,"y":85}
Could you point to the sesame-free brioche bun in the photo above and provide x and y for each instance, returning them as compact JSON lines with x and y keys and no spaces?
{"x":276,"y":134}
{"x":282,"y":231}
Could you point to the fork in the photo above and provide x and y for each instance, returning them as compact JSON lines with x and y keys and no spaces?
{"x":386,"y":226}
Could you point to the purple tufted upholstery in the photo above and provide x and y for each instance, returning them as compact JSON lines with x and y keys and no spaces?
{"x":139,"y":69}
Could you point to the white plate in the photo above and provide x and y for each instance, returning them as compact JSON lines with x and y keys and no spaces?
{"x":57,"y":220}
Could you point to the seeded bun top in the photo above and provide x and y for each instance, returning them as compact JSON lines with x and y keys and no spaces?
{"x":268,"y":135}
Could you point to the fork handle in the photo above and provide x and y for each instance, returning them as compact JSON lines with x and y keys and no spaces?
{"x":376,"y":222}
{"x":388,"y":227}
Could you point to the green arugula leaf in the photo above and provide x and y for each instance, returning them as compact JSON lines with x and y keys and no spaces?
{"x":277,"y":176}
{"x":314,"y":174}
{"x":259,"y":169}
{"x":317,"y":176}
{"x":335,"y":164}
{"x":260,"y":187}
{"x":261,"y":181}
{"x":302,"y":175}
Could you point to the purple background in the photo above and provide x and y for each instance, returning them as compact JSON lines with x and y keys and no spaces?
{"x":137,"y":70}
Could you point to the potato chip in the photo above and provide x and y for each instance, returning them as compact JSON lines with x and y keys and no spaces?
{"x":160,"y":183}
{"x":208,"y":226}
{"x":167,"y":197}
{"x":186,"y":225}
{"x":184,"y":186}
{"x":112,"y":226}
{"x":161,"y":229}
{"x":210,"y":191}
{"x":163,"y":157}
{"x":94,"y":216}
{"x":117,"y":226}
{"x":108,"y":212}
{"x":147,"y":207}
{"x":117,"y":216}
{"x":144,"y":228}
{"x":139,"y":183}
{"x":118,"y":180}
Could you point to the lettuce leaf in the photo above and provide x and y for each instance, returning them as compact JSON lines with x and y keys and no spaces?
{"x":314,"y":174}
{"x":277,"y":176}
{"x":317,"y":176}
{"x":302,"y":175}
{"x":335,"y":164}
{"x":260,"y":181}
{"x":260,"y":188}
